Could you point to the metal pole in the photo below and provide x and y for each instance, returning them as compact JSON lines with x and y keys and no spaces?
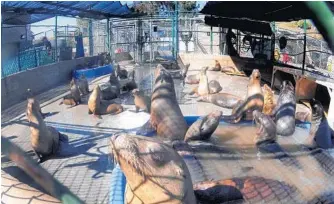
{"x":177,"y":28}
{"x":304,"y":55}
{"x":211,"y":39}
{"x":108,"y":35}
{"x":37,"y":172}
{"x":173,"y":35}
{"x":56,"y":40}
{"x":151,"y":46}
{"x":90,"y":30}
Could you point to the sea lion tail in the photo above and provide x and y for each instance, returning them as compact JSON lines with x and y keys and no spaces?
{"x":62,"y":102}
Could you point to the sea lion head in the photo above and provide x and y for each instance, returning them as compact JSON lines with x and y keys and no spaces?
{"x":267,"y":127}
{"x":212,"y":122}
{"x":136,"y":92}
{"x":317,"y":109}
{"x":162,"y":75}
{"x":287,"y":85}
{"x":256,"y":75}
{"x":154,"y":171}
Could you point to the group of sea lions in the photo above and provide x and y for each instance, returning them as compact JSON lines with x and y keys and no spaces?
{"x":45,"y":140}
{"x":154,"y":167}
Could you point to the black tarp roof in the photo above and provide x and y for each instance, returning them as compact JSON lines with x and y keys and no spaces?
{"x":260,"y":10}
{"x":240,"y":24}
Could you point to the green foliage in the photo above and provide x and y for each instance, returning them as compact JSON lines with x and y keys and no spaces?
{"x":300,"y":24}
{"x":153,"y":7}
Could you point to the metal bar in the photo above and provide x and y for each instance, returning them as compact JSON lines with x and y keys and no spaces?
{"x":177,"y":28}
{"x":56,"y":39}
{"x":38,"y":173}
{"x":90,"y":31}
{"x":151,"y":46}
{"x":211,"y":40}
{"x":304,"y":55}
{"x":108,"y":35}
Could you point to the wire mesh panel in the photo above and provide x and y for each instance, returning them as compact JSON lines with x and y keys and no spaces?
{"x":99,"y":37}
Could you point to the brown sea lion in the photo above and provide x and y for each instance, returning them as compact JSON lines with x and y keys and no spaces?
{"x":156,"y":173}
{"x":224,"y":100}
{"x":254,"y":99}
{"x":203,"y":86}
{"x":214,"y":87}
{"x":230,"y":69}
{"x":74,"y":97}
{"x":321,"y":135}
{"x":217,"y":66}
{"x":166,"y":116}
{"x":141,"y":101}
{"x":269,"y":103}
{"x":38,"y":106}
{"x":267,"y":128}
{"x":285,"y":110}
{"x":204,"y":127}
{"x":44,"y":139}
{"x":97,"y":107}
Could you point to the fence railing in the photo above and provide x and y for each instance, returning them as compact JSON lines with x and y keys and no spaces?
{"x":28,"y":59}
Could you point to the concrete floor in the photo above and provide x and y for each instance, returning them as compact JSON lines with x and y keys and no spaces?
{"x":84,"y":165}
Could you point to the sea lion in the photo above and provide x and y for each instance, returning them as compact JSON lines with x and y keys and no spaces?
{"x":44,"y":139}
{"x":108,"y":92}
{"x":230,"y":69}
{"x":203,"y":86}
{"x":74,"y":97}
{"x":254,"y":99}
{"x":321,"y":135}
{"x":184,"y":72}
{"x":38,"y":106}
{"x":154,"y":171}
{"x":224,"y":100}
{"x":214,"y":87}
{"x":192,"y":79}
{"x":115,"y":86}
{"x":217,"y":66}
{"x":97,"y":107}
{"x":166,"y":116}
{"x":83,"y":85}
{"x":203,"y":128}
{"x":129,"y":86}
{"x":121,"y":73}
{"x":285,"y":110}
{"x":141,"y":101}
{"x":269,"y":103}
{"x":267,"y":128}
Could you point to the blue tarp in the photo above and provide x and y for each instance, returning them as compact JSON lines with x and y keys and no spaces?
{"x":40,"y":10}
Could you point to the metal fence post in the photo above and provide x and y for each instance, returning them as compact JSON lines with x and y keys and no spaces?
{"x":177,"y":28}
{"x":304,"y":55}
{"x":90,"y":30}
{"x":56,"y":39}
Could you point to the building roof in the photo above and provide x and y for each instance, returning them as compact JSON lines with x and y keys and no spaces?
{"x":27,"y":12}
